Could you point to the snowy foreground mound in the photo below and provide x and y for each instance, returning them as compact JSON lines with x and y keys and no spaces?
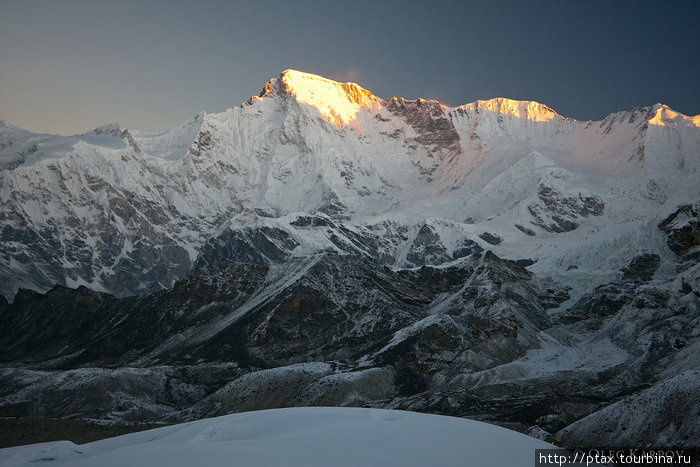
{"x":299,"y":436}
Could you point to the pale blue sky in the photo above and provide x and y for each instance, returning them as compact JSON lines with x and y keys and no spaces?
{"x":67,"y":66}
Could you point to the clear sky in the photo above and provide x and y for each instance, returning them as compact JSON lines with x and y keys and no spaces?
{"x":71,"y":65}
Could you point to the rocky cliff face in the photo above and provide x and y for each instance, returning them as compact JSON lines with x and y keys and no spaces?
{"x":321,"y":246}
{"x":484,"y":338}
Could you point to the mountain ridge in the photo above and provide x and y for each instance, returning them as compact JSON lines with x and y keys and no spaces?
{"x":503,"y":104}
{"x":494,"y":261}
{"x":391,"y":165}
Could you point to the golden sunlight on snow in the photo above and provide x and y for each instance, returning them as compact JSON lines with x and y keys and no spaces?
{"x":663,"y":115}
{"x":338,"y":103}
{"x":530,"y":110}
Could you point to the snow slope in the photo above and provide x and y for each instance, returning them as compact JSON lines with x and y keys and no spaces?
{"x":299,"y":437}
{"x":126,"y":212}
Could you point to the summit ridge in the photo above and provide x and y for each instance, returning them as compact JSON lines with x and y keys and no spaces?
{"x":310,"y":146}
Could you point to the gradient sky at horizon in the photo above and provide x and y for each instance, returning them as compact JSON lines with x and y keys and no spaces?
{"x":72,"y":65}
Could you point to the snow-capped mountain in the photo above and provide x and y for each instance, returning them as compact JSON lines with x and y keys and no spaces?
{"x":319,"y":245}
{"x":313,"y":165}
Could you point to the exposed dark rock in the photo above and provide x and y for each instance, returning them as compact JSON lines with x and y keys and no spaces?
{"x":202,"y":143}
{"x":468,"y":248}
{"x":126,"y":136}
{"x":552,"y":422}
{"x":427,"y":248}
{"x":604,"y":301}
{"x":79,"y":326}
{"x":339,"y":330}
{"x":663,"y":415}
{"x":525,"y":230}
{"x":263,"y":213}
{"x":334,"y":210}
{"x":262,"y":245}
{"x":651,"y":298}
{"x":683,"y":230}
{"x":339,"y":308}
{"x":641,"y":268}
{"x":21,"y":431}
{"x":493,"y":239}
{"x":555,"y":212}
{"x":428,"y":119}
{"x":686,"y":288}
{"x":312,"y":221}
{"x":141,"y":258}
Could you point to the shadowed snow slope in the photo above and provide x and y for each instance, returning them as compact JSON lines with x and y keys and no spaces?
{"x":299,"y":437}
{"x":314,"y":165}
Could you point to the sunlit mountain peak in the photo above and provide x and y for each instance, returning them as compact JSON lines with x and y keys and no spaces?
{"x":530,"y":110}
{"x":663,"y":115}
{"x":337,"y":102}
{"x":340,"y":103}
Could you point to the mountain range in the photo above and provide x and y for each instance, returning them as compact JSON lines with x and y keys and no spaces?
{"x":319,"y":245}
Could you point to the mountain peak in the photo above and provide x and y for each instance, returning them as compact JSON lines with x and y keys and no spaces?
{"x":337,"y":102}
{"x":113,"y":129}
{"x":529,"y":110}
{"x":663,"y":115}
{"x":8,"y":126}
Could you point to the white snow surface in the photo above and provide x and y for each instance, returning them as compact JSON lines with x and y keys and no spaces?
{"x":299,"y":437}
{"x":308,"y":142}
